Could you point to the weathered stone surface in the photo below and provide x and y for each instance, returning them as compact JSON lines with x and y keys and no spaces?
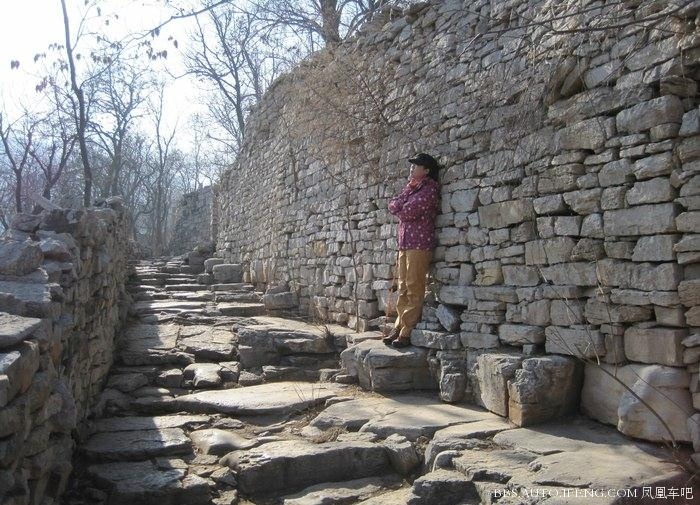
{"x":143,"y":482}
{"x":579,"y":342}
{"x":290,"y":465}
{"x":382,"y":368}
{"x":655,"y":248}
{"x":278,"y":301}
{"x":136,"y":445}
{"x":641,"y":220}
{"x":435,"y":339}
{"x":275,"y":398}
{"x":516,"y":334}
{"x":588,"y":134}
{"x":654,"y":190}
{"x":14,"y":329}
{"x":654,"y":166}
{"x":655,"y":345}
{"x":408,"y":415}
{"x":220,"y":442}
{"x":502,"y":214}
{"x":340,"y":492}
{"x":499,"y":465}
{"x":207,"y":343}
{"x":462,"y":436}
{"x":448,"y":317}
{"x":227,"y":272}
{"x":442,"y":487}
{"x":402,"y":454}
{"x":544,"y":388}
{"x":493,"y":371}
{"x":115,"y":424}
{"x":203,"y":375}
{"x":667,"y":109}
{"x":19,"y":258}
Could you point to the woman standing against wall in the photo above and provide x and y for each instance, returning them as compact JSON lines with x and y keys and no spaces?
{"x":416,"y":207}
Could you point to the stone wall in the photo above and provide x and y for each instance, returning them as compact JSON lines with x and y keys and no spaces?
{"x":62,"y":299}
{"x":570,"y":200}
{"x":192,"y":221}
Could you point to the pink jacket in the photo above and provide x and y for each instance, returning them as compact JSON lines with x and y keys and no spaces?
{"x":416,"y":210}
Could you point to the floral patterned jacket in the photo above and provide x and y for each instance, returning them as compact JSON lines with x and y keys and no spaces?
{"x":416,"y":209}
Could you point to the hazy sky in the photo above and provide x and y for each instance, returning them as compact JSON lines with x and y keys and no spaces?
{"x":27,"y":27}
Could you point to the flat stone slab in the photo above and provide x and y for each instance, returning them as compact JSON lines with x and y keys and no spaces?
{"x":220,"y":442}
{"x":145,"y":344}
{"x":207,"y":342}
{"x":341,"y":492}
{"x":27,"y":299}
{"x":589,"y":455}
{"x":409,"y":415}
{"x":463,"y":436}
{"x":135,"y":445}
{"x":240,"y":309}
{"x":14,"y":329}
{"x":577,"y":435}
{"x":274,"y":398}
{"x":498,"y":465}
{"x":171,"y":306}
{"x":144,"y":482}
{"x":294,"y":464}
{"x":148,"y":423}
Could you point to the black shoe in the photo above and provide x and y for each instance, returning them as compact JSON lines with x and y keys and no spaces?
{"x":401,"y":342}
{"x":393,"y":335}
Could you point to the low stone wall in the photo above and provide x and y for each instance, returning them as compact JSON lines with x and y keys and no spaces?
{"x":192,"y":221}
{"x":62,"y":298}
{"x":570,"y":203}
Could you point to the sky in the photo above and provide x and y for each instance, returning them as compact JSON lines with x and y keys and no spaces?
{"x":27,"y":27}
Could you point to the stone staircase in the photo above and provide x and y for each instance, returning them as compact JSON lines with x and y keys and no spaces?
{"x":212,"y":399}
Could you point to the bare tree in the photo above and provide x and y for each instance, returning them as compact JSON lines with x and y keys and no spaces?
{"x":17,"y":142}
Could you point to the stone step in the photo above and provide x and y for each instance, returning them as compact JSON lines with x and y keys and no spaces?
{"x":150,"y":307}
{"x":286,"y":466}
{"x":379,"y":367}
{"x":192,"y":286}
{"x":241,"y":309}
{"x":266,"y":342}
{"x":136,"y":445}
{"x":165,"y":482}
{"x":410,"y":415}
{"x":343,"y":492}
{"x":232,"y":286}
{"x":279,"y":398}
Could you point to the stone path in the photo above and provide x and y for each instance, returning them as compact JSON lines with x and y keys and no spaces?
{"x":212,"y":402}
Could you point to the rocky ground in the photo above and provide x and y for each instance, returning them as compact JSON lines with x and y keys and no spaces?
{"x":213,"y":401}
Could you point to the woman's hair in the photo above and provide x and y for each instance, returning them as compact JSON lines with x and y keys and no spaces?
{"x":434,"y":172}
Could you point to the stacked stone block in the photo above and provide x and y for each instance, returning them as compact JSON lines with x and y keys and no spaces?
{"x":569,"y":204}
{"x":62,"y":298}
{"x":192,"y":221}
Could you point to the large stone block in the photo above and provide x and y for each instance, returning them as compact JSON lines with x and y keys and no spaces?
{"x":588,"y":134}
{"x":663,"y":390}
{"x":502,"y":214}
{"x":584,"y":342}
{"x":654,"y":166}
{"x":520,"y":334}
{"x":543,"y":389}
{"x":566,"y":274}
{"x":493,"y":371}
{"x":640,"y":220}
{"x":667,"y":109}
{"x":228,"y":272}
{"x":655,"y":248}
{"x":689,"y":292}
{"x":655,"y":345}
{"x":19,"y":258}
{"x":651,"y":191}
{"x":642,"y":276}
{"x":456,"y":295}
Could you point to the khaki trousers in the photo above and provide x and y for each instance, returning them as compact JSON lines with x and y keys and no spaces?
{"x":413,"y":267}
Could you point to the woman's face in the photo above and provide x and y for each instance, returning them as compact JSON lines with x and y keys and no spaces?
{"x":418,"y":171}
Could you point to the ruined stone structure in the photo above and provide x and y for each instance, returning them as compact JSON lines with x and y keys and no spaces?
{"x":192,"y":221}
{"x":570,"y":203}
{"x":62,"y":299}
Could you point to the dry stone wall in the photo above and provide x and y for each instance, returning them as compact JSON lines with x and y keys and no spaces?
{"x":192,"y":221}
{"x":62,"y":299}
{"x":570,"y":199}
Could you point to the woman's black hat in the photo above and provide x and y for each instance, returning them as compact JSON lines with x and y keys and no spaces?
{"x":424,"y":160}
